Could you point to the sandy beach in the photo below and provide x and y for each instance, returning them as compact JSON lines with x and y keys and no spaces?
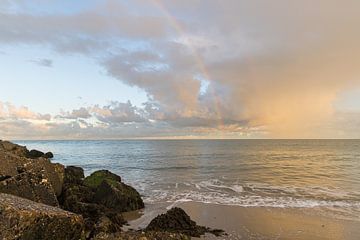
{"x":258,"y":222}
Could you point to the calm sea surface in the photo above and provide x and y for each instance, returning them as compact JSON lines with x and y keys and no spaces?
{"x":309,"y":174}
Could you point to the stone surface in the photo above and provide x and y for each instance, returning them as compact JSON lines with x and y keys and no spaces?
{"x":10,"y":163}
{"x":118,"y":196}
{"x":112,"y":193}
{"x":24,"y":219}
{"x":79,"y":198}
{"x":54,"y":172}
{"x":96,"y":178}
{"x":176,"y":220}
{"x":73,"y":175}
{"x":13,"y":148}
{"x":30,"y":185}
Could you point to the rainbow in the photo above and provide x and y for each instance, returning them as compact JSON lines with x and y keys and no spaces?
{"x":200,"y":63}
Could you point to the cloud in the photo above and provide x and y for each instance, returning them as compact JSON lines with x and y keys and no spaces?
{"x":76,"y":113}
{"x":271,"y":67}
{"x":43,"y":62}
{"x":9,"y":111}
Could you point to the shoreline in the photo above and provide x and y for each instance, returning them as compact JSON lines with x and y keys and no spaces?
{"x":256,"y":222}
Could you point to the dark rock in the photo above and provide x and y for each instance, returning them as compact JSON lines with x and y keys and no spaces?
{"x":13,"y":165}
{"x":35,"y":154}
{"x":176,"y":220}
{"x":31,"y":185}
{"x":73,"y":198}
{"x":118,"y":196}
{"x":48,"y":155}
{"x":99,"y":198}
{"x":112,"y":193}
{"x":96,"y":178}
{"x":109,"y":223}
{"x":73,"y":175}
{"x":79,"y":198}
{"x":24,"y":219}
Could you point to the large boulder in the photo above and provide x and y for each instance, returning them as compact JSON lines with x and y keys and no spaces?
{"x":24,"y":219}
{"x":97,"y":177}
{"x":118,"y":196}
{"x":112,"y":193}
{"x":33,"y":185}
{"x":73,"y":175}
{"x":13,"y":148}
{"x":11,"y":163}
{"x":54,"y":172}
{"x":176,"y":220}
{"x":78,"y":197}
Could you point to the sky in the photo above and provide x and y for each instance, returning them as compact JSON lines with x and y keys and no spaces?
{"x":179,"y":69}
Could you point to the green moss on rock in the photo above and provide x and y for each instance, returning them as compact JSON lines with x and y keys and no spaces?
{"x":96,"y":178}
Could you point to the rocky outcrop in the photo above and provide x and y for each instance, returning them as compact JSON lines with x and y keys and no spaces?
{"x":39,"y":188}
{"x":24,"y":219}
{"x":13,"y":148}
{"x":82,"y":196}
{"x":177,"y":221}
{"x":32,"y":185}
{"x":53,"y":172}
{"x":112,"y":193}
{"x":34,"y":179}
{"x":11,"y":164}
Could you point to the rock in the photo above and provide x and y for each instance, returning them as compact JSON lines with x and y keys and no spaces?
{"x":48,"y":155}
{"x":31,"y":185}
{"x":74,"y":197}
{"x":176,"y":220}
{"x":99,"y":198}
{"x":54,"y":172}
{"x":118,"y":196}
{"x":35,"y":154}
{"x":109,"y":223}
{"x":79,"y":198}
{"x":96,"y":178}
{"x":11,"y":163}
{"x":31,"y":178}
{"x":13,"y":148}
{"x":24,"y":219}
{"x":73,"y":175}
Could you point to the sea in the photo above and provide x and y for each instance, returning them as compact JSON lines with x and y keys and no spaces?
{"x":307,"y":174}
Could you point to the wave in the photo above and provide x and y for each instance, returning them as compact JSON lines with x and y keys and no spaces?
{"x":258,"y":195}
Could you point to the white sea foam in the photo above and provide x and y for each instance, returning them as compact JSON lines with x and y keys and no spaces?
{"x":258,"y":195}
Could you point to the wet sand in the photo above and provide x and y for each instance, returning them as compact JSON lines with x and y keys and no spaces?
{"x":258,"y":222}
